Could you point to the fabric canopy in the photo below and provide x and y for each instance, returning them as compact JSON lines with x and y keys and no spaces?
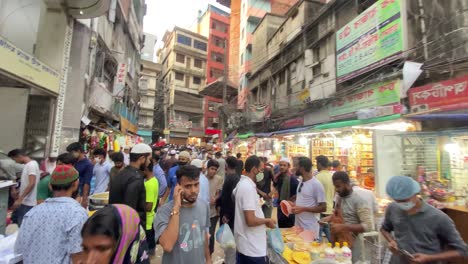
{"x":350,"y":123}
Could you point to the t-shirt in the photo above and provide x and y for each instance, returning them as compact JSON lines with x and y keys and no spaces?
{"x":85,"y":170}
{"x":30,"y":168}
{"x":204,"y":193}
{"x":430,"y":231}
{"x":43,"y":191}
{"x":250,"y":241}
{"x":102,"y":173}
{"x":369,"y":197}
{"x":311,"y":194}
{"x":152,"y":194}
{"x":172,"y":180}
{"x":222,"y":167}
{"x":193,"y":224}
{"x":325,"y":178}
{"x":128,"y":188}
{"x":216,"y":184}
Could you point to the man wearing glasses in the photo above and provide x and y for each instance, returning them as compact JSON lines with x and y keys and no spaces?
{"x":310,"y":201}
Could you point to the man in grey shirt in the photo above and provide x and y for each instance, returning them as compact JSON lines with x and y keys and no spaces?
{"x":182,"y":224}
{"x":222,"y":164}
{"x":421,"y":233}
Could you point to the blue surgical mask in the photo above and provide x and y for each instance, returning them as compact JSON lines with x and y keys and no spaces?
{"x":406,"y":206}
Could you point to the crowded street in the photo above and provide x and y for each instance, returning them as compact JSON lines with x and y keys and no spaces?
{"x":234,"y":131}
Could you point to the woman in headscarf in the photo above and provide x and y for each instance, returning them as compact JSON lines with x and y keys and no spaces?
{"x":113,"y":235}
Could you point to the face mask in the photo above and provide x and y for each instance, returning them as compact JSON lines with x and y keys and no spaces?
{"x":97,"y":160}
{"x":260,"y":176}
{"x":76,"y":154}
{"x":406,"y":206}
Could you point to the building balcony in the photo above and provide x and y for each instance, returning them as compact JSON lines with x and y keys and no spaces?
{"x":219,"y":34}
{"x":216,"y":65}
{"x":100,"y":97}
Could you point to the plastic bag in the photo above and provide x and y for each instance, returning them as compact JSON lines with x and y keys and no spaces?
{"x":225,"y":238}
{"x":275,"y":239}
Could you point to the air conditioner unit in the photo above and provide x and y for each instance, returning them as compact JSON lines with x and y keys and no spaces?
{"x":211,"y":108}
{"x":216,"y":120}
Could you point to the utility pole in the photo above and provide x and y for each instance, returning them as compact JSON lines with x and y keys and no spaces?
{"x":223,"y":130}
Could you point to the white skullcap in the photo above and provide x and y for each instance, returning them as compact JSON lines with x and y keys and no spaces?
{"x":285,"y":159}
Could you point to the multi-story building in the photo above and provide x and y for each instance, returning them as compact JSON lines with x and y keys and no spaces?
{"x":35,"y":45}
{"x":184,"y":59}
{"x":250,"y":15}
{"x":106,"y":53}
{"x":214,"y":24}
{"x":148,"y":91}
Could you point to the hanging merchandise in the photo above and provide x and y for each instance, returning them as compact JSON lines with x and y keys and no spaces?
{"x":116,"y":145}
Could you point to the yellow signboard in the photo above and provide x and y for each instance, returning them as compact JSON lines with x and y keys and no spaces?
{"x":25,"y":66}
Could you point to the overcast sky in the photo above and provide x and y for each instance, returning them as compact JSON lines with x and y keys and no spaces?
{"x":162,"y":15}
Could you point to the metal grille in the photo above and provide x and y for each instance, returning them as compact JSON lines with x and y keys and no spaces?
{"x":37,"y":125}
{"x":419,"y":150}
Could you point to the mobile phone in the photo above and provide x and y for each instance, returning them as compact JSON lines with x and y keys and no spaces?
{"x":406,"y":254}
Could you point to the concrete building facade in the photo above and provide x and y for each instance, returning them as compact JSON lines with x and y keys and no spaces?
{"x":184,"y":59}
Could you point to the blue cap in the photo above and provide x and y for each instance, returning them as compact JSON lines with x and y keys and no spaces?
{"x":402,"y":187}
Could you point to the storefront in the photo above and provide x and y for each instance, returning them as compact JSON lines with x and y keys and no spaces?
{"x":29,"y":90}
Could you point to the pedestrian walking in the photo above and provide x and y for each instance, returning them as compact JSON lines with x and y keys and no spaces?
{"x":324,"y":176}
{"x":184,"y":159}
{"x":119,"y":165}
{"x":160,"y":177}
{"x":264,"y":180}
{"x":216,"y":184}
{"x":204,"y":194}
{"x":128,"y":187}
{"x":182,"y":224}
{"x":250,"y":225}
{"x":113,"y":234}
{"x":222,"y":164}
{"x":50,"y":232}
{"x":152,"y":194}
{"x":426,"y":233}
{"x":101,"y":171}
{"x":29,"y":181}
{"x":240,"y":164}
{"x":310,"y":201}
{"x":85,"y":169}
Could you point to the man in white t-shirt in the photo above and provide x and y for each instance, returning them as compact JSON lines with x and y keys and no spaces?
{"x":367,"y":195}
{"x":249,"y":227}
{"x":30,"y":177}
{"x":310,"y":201}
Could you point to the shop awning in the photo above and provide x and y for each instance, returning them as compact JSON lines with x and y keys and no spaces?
{"x":293,"y":130}
{"x":350,"y":123}
{"x":145,"y":133}
{"x":452,"y":116}
{"x":246,"y":135}
{"x":262,"y":135}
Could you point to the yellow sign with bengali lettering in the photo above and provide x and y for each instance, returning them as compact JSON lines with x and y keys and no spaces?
{"x":25,"y":66}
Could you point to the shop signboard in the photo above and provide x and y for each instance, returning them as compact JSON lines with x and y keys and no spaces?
{"x":119,"y":84}
{"x":127,"y":126}
{"x":25,"y":66}
{"x":372,"y":39}
{"x":377,"y":94}
{"x":291,"y":123}
{"x":446,"y":95}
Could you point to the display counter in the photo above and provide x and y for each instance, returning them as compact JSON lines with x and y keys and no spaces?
{"x":459,"y":214}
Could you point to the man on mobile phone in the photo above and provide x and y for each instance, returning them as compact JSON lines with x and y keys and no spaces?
{"x":182,"y":224}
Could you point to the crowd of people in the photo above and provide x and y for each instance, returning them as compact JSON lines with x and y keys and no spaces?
{"x":178,"y":197}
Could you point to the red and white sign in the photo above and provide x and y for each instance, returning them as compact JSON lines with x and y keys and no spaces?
{"x":441,"y":96}
{"x":119,"y":84}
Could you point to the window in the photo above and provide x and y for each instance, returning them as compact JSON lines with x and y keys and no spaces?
{"x":217,"y":57}
{"x":282,"y":77}
{"x":184,"y":40}
{"x":198,"y":63}
{"x":316,"y":53}
{"x":179,"y":76}
{"x":215,"y":73}
{"x":196,"y":80}
{"x":199,"y":45}
{"x":218,"y":42}
{"x":317,"y":70}
{"x":180,"y":58}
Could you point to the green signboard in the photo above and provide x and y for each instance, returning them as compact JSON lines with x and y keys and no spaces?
{"x":378,"y":94}
{"x":372,"y":39}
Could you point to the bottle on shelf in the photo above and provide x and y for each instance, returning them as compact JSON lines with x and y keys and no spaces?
{"x":338,"y":252}
{"x":346,"y":254}
{"x":329,"y":252}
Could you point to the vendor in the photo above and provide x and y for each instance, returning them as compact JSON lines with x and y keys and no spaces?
{"x":423,"y":231}
{"x":354,"y":211}
{"x":286,"y":185}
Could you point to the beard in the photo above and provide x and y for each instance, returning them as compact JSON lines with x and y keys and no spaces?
{"x":344,"y":193}
{"x":297,"y":173}
{"x":180,"y":163}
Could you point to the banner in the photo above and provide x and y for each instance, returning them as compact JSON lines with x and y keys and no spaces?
{"x":120,"y":77}
{"x":27,"y":67}
{"x":442,"y":96}
{"x":378,"y":94}
{"x":372,"y":39}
